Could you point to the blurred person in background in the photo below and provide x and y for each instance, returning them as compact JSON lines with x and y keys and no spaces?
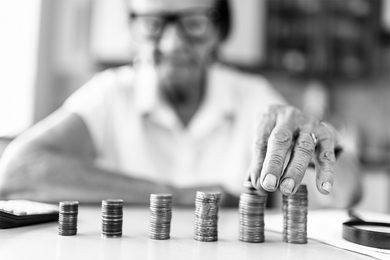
{"x":177,"y":121}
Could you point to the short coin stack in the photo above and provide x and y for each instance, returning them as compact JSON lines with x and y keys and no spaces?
{"x":160,"y":216}
{"x":206,"y":216}
{"x":251,"y":217}
{"x":67,"y":221}
{"x":295,"y":217}
{"x":112,"y":218}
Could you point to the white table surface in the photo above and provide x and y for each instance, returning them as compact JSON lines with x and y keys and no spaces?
{"x":42,"y":242}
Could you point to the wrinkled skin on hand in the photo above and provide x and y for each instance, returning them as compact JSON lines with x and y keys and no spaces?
{"x":284,"y":146}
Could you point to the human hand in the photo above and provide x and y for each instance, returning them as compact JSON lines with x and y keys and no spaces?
{"x":286,"y":141}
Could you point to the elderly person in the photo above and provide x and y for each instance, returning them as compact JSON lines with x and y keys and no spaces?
{"x":176,"y":121}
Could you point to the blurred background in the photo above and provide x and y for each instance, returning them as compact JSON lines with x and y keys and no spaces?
{"x":330,"y":58}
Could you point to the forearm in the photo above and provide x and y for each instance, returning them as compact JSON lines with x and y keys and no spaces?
{"x":51,"y":176}
{"x":37,"y":174}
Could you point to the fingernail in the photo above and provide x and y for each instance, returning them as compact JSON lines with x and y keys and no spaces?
{"x":287,"y":186}
{"x":269,"y":182}
{"x":326,"y":186}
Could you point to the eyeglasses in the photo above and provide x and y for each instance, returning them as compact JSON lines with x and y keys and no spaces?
{"x":194,"y":24}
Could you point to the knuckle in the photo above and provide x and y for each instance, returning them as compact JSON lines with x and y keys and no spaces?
{"x":326,"y":173}
{"x":326,"y":169}
{"x":298,"y":168}
{"x":265,"y":122}
{"x":275,"y":161}
{"x":327,"y":157}
{"x":326,"y":162}
{"x":282,"y":137}
{"x":305,"y":147}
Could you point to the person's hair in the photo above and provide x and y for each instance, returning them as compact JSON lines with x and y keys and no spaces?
{"x":224,"y":21}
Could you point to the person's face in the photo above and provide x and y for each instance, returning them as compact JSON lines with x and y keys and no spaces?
{"x":176,"y":36}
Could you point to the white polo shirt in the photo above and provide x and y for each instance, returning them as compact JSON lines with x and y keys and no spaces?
{"x":137,"y":133}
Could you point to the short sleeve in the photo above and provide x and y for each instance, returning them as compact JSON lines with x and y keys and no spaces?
{"x":92,"y":102}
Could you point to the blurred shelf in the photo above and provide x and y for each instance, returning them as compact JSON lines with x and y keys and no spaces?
{"x":324,"y":37}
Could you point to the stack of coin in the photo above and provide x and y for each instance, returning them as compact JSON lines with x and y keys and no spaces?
{"x":206,"y":216}
{"x":160,"y":216}
{"x":251,"y":217}
{"x":112,"y":218}
{"x":67,"y":221}
{"x":295,"y":217}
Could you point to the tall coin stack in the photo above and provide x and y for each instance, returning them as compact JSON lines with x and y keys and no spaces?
{"x":295,"y":209}
{"x":112,"y":218}
{"x":206,"y":216}
{"x":67,"y":220}
{"x":251,"y":217}
{"x":160,"y":216}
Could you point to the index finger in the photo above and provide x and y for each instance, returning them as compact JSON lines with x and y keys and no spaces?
{"x":279,"y":144}
{"x":264,"y":128}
